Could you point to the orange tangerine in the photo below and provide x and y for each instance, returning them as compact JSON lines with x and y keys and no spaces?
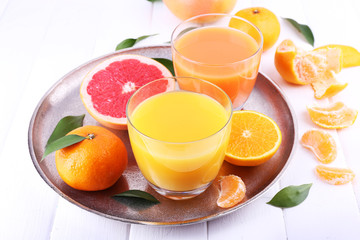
{"x":254,"y":138}
{"x":321,"y":143}
{"x":185,"y":9}
{"x":93,"y":164}
{"x":334,"y":116}
{"x":264,"y":19}
{"x":335,"y":176}
{"x":232,"y":191}
{"x":317,"y":67}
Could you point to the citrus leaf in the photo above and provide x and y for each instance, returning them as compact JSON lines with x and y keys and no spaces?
{"x":167,"y":63}
{"x":137,"y":194}
{"x":129,"y":42}
{"x":62,"y":142}
{"x":64,"y":126}
{"x":154,"y":0}
{"x":303,"y":29}
{"x":290,"y":196}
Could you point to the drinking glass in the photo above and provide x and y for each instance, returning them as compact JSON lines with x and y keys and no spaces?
{"x":220,"y":48}
{"x":178,"y":152}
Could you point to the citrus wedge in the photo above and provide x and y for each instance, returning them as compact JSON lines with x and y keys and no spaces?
{"x":351,"y":56}
{"x":232,"y":191}
{"x":327,"y":85}
{"x":321,"y":143}
{"x":254,"y":139}
{"x":334,"y":176}
{"x":106,"y":89}
{"x":334,"y":116}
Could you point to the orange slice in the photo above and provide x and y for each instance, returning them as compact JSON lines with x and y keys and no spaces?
{"x":317,"y":67}
{"x":351,"y":56}
{"x":321,"y":143}
{"x":232,"y":191}
{"x":334,"y":116}
{"x":254,"y":139}
{"x":335,"y":176}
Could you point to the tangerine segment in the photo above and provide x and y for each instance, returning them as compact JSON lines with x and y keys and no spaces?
{"x":334,"y":116}
{"x":93,"y":164}
{"x":327,"y":85}
{"x":351,"y":56}
{"x":232,"y":191}
{"x":335,"y":176}
{"x":254,"y":139}
{"x":321,"y":143}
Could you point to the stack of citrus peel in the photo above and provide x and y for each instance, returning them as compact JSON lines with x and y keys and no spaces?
{"x":323,"y":145}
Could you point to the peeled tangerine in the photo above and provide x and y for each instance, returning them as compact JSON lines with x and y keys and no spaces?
{"x":321,"y":143}
{"x":316,"y":67}
{"x":335,"y":176}
{"x":232,"y":191}
{"x":335,"y":116}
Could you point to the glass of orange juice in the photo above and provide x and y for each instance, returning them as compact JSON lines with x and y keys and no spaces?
{"x":220,"y":48}
{"x":179,"y":136}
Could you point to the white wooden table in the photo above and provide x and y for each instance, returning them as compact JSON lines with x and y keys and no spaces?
{"x":41,"y":40}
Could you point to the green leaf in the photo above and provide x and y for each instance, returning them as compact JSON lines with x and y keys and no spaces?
{"x":154,"y":0}
{"x":290,"y":196}
{"x":62,"y":142}
{"x":303,"y":29}
{"x":129,"y":42}
{"x":137,"y":194}
{"x":64,"y":126}
{"x":167,"y":63}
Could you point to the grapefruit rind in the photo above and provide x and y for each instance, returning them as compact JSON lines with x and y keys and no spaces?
{"x":109,"y":121}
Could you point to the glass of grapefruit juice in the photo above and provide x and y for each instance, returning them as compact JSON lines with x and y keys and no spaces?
{"x":179,"y":136}
{"x":220,"y":48}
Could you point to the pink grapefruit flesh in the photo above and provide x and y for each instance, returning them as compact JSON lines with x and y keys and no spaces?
{"x":106,"y":89}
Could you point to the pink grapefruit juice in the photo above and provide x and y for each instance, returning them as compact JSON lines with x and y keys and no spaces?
{"x":183,"y":141}
{"x":222,"y":55}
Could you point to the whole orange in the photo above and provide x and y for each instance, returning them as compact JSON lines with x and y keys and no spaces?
{"x":185,"y":9}
{"x":95,"y":163}
{"x":265,"y":20}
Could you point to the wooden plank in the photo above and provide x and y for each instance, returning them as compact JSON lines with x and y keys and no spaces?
{"x":118,"y":20}
{"x":317,"y":210}
{"x":189,"y":232}
{"x":22,"y":31}
{"x":255,"y":221}
{"x":72,"y":222}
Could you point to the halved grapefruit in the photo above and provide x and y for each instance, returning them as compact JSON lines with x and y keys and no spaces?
{"x":106,"y":89}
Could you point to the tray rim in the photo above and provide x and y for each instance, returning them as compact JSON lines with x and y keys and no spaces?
{"x":131,"y":221}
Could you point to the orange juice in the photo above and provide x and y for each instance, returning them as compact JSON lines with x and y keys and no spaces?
{"x":183,"y":141}
{"x":224,"y":56}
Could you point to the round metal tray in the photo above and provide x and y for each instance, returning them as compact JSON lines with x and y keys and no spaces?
{"x":63,"y":99}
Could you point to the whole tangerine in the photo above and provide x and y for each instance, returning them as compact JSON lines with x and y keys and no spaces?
{"x":185,"y":9}
{"x":95,"y":163}
{"x":265,"y":20}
